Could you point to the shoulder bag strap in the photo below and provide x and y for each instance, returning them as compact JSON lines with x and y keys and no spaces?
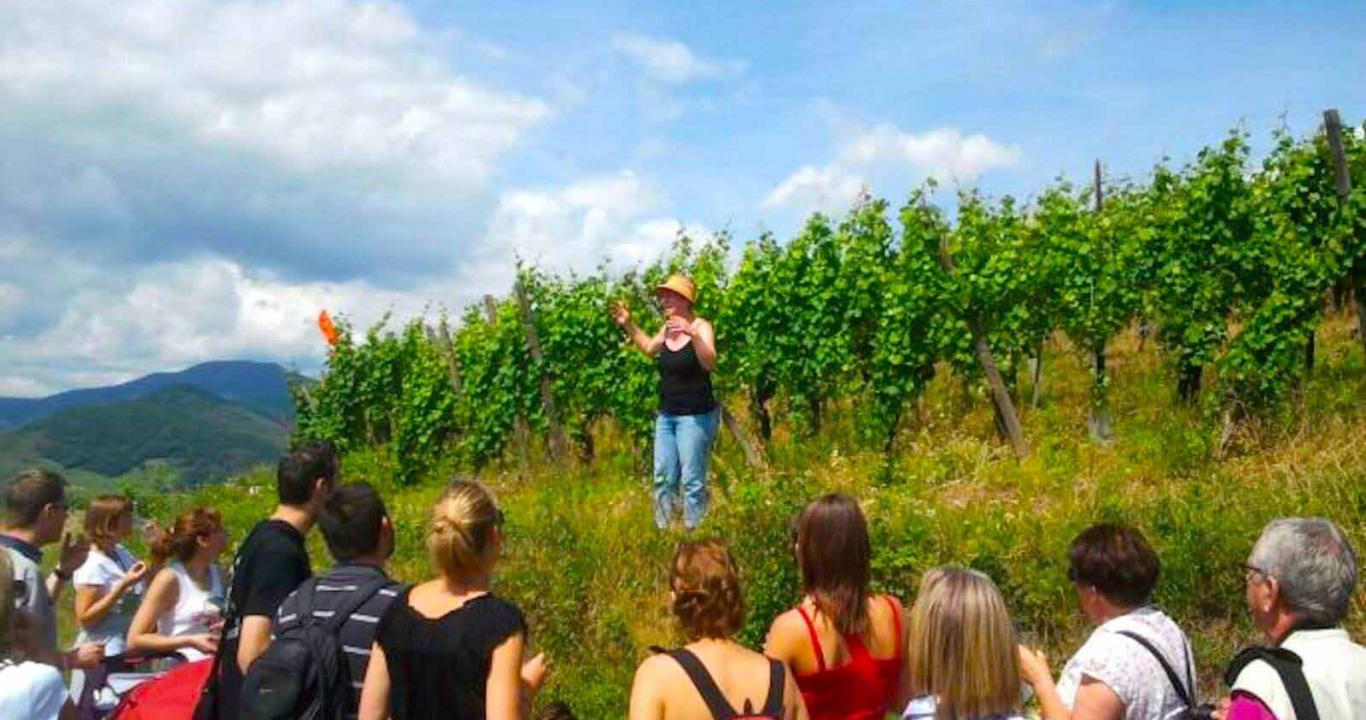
{"x":1290,"y":668}
{"x":706,"y":686}
{"x":1172,"y":677}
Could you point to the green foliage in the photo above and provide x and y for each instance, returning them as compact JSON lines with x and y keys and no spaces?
{"x":1230,"y":264}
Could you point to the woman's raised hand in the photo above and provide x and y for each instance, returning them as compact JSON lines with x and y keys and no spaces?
{"x":134,"y":575}
{"x":1034,"y":666}
{"x":621,"y":315}
{"x":678,"y":326}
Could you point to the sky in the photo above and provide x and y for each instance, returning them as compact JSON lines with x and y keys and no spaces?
{"x":186,"y":180}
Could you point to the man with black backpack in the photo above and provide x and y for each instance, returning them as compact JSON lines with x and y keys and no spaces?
{"x":315,"y":665}
{"x":270,"y":563}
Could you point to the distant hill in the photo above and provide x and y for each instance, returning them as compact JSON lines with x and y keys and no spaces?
{"x":260,"y":387}
{"x":205,"y":423}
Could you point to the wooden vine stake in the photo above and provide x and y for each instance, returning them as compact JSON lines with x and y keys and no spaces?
{"x":1098,"y":414}
{"x":999,"y":396}
{"x":558,"y":444}
{"x":754,"y":455}
{"x":1342,"y":182}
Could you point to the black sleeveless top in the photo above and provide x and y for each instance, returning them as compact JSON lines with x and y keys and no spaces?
{"x":439,"y":667}
{"x":684,"y":386}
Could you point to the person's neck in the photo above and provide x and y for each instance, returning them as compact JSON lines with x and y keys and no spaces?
{"x":297,"y":517}
{"x":368,"y":560}
{"x":109,"y":547}
{"x":198,"y":566}
{"x":28,"y":535}
{"x":474,"y":584}
{"x":1107,"y":611}
{"x":1281,"y":629}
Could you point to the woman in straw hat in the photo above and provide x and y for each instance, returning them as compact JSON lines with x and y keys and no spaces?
{"x":688,"y":414}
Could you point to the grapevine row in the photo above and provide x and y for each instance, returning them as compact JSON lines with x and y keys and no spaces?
{"x":1229,"y":266}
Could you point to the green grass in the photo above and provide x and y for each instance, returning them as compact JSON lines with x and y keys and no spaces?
{"x":586,"y":564}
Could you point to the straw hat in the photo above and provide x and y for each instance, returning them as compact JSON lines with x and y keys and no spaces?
{"x":681,"y":285}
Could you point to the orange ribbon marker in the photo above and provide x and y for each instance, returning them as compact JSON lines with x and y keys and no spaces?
{"x":329,"y":330}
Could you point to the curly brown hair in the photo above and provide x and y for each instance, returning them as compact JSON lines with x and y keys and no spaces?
{"x":706,"y":590}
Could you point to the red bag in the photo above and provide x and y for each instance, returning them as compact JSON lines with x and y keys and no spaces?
{"x":172,"y":696}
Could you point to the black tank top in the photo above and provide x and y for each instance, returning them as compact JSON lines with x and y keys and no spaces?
{"x":684,"y":386}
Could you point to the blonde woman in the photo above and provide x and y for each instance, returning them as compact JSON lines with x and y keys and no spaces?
{"x":449,"y":648}
{"x":964,"y":657}
{"x":688,"y":414}
{"x":27,"y":689}
{"x":712,"y":675}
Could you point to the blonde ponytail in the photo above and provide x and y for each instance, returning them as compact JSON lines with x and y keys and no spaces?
{"x":461,"y":528}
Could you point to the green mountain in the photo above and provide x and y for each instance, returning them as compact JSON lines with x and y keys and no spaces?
{"x":199,"y":436}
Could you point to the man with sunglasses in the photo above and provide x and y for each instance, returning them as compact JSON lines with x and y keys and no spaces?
{"x":36,"y":512}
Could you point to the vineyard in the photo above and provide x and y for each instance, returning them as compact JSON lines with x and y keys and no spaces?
{"x":1225,"y":267}
{"x":1184,"y":355}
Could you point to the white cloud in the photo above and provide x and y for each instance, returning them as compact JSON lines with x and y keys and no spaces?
{"x":670,"y":61}
{"x":883,"y":151}
{"x":614,"y":218}
{"x":171,"y":315}
{"x":274,"y":133}
{"x":826,"y":187}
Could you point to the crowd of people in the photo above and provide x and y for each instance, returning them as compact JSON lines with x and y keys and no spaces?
{"x":450,"y":647}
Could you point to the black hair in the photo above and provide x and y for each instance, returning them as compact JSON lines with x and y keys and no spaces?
{"x":351,"y":520}
{"x":301,"y":468}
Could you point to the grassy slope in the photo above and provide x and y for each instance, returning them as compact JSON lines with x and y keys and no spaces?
{"x":586,"y":564}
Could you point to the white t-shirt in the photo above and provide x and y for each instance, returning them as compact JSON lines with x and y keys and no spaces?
{"x":1128,"y":669}
{"x":102,"y":571}
{"x":30,"y":691}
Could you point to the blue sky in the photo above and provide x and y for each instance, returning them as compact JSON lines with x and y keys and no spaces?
{"x":183,"y":180}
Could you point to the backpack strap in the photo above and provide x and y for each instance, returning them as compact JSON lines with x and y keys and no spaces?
{"x":706,"y":686}
{"x":773,"y":706}
{"x":306,"y":596}
{"x":815,"y":639}
{"x":1290,"y":668}
{"x":1172,"y":677}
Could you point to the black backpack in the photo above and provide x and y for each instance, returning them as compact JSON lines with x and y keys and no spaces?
{"x":303,"y":674}
{"x":1288,"y":666}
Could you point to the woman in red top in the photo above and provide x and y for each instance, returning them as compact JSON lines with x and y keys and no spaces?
{"x":845,"y":647}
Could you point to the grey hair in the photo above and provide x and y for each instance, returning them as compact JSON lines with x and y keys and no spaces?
{"x":1313,"y":563}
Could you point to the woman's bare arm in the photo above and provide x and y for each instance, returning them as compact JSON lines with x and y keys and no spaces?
{"x":142,"y":634}
{"x":93,"y":602}
{"x":374,"y":696}
{"x":704,"y":343}
{"x":503,"y":691}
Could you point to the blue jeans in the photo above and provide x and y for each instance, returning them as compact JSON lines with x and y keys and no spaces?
{"x":682,"y":447}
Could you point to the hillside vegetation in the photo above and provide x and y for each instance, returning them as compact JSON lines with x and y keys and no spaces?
{"x":203,"y":424}
{"x":586,"y":564}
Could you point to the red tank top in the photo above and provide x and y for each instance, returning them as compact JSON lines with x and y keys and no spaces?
{"x":860,"y":689}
